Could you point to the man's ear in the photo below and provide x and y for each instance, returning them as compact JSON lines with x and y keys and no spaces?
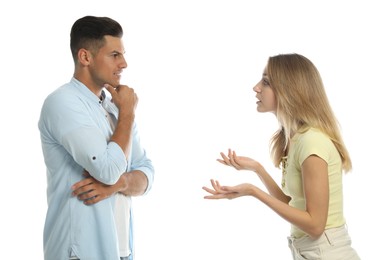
{"x":84,"y":56}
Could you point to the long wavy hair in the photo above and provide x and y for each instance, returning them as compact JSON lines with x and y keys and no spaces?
{"x":301,"y":103}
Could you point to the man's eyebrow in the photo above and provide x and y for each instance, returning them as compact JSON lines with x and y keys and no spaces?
{"x":118,"y":52}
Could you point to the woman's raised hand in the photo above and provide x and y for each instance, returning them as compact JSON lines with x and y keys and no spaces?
{"x":239,"y":162}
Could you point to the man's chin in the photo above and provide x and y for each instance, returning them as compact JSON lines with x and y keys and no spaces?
{"x":114,"y":84}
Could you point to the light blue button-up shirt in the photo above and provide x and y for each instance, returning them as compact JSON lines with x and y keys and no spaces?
{"x":75,"y":135}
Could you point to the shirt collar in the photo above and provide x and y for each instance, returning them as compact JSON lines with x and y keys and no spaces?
{"x":85,"y":91}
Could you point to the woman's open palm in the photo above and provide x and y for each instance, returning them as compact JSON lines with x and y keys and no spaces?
{"x":228,"y":192}
{"x":239,"y":162}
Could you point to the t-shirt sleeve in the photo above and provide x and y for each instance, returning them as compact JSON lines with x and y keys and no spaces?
{"x":313,"y":143}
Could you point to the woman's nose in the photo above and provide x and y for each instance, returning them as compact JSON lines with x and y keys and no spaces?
{"x":257,"y":88}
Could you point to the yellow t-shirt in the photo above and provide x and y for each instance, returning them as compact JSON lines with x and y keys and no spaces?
{"x":313,"y":142}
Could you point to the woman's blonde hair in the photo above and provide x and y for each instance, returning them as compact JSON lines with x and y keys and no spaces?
{"x":301,"y":103}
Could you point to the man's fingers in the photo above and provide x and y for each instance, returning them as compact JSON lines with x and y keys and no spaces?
{"x":110,"y":88}
{"x":81,"y":186}
{"x":86,"y":195}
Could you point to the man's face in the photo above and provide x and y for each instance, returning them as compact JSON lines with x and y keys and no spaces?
{"x":107,"y":64}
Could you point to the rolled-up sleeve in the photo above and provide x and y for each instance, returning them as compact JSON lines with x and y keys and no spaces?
{"x":104,"y":161}
{"x":140,"y":160}
{"x":70,"y":122}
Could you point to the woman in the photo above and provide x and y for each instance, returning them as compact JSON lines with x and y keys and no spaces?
{"x":309,"y":149}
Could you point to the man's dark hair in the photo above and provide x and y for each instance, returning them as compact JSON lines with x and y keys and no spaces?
{"x":88,"y":32}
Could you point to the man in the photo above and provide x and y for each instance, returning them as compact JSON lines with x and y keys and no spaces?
{"x":92,"y":151}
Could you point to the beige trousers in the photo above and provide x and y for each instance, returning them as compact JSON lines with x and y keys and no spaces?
{"x":333,"y":244}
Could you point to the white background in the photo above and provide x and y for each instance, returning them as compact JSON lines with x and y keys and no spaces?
{"x":193,"y":65}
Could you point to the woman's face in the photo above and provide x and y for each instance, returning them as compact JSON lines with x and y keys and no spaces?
{"x":265,"y":95}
